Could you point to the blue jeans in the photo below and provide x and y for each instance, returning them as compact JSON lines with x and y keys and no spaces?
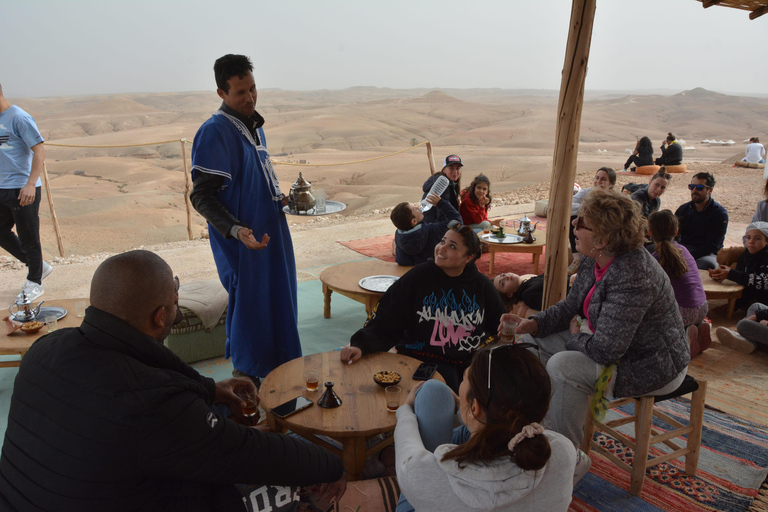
{"x":434,"y":408}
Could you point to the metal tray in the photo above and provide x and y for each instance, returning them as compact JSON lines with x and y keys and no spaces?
{"x":378,"y":284}
{"x":508,"y":239}
{"x":45,"y":311}
{"x":330,"y":207}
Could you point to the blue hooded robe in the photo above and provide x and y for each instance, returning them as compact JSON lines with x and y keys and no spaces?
{"x":262,"y":316}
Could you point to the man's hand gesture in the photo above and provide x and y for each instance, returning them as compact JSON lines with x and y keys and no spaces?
{"x":245,"y":235}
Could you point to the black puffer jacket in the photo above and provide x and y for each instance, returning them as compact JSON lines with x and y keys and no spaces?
{"x":106,"y":418}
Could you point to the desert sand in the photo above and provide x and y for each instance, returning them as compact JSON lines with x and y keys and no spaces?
{"x":109,"y":200}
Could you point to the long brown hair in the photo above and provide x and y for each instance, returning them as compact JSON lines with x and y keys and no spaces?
{"x":663,"y":225}
{"x":519,"y":395}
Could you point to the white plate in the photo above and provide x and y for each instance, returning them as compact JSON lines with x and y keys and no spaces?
{"x":508,"y":239}
{"x":377,"y":283}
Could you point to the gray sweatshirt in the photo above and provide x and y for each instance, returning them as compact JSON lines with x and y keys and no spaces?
{"x":432,"y":485}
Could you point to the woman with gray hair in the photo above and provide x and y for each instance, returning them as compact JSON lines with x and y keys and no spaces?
{"x":620,"y":320}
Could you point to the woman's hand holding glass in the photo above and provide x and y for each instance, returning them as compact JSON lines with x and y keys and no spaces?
{"x":524,"y":325}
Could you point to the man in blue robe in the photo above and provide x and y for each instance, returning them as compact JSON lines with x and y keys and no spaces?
{"x":236,"y":190}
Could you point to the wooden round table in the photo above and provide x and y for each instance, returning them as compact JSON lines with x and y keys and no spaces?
{"x":344,"y":279}
{"x":536,"y":249}
{"x":18,"y":343}
{"x":721,"y":290}
{"x":362,"y":415}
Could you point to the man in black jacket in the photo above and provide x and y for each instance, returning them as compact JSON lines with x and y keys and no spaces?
{"x":105,"y":417}
{"x":703,"y":222}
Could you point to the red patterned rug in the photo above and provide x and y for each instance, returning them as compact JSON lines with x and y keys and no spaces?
{"x":381,"y":247}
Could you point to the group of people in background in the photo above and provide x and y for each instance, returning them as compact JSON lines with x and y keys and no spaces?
{"x":642,"y":155}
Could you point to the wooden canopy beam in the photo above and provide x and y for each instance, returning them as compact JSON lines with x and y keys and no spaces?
{"x":566,"y":149}
{"x":758,"y":12}
{"x":709,"y":3}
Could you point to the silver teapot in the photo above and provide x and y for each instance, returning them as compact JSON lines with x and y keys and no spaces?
{"x":300,"y":198}
{"x":24,"y":311}
{"x":525,"y":226}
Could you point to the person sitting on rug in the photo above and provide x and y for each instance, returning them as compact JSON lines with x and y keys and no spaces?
{"x":755,"y":152}
{"x":671,"y":152}
{"x":515,"y":289}
{"x":415,"y":238}
{"x":650,"y":197}
{"x":703,"y":222}
{"x":451,"y":170}
{"x":752,"y":267}
{"x":440,"y":311}
{"x":680,"y":266}
{"x":475,"y":203}
{"x":642,"y":155}
{"x":751,"y":331}
{"x":605,"y":179}
{"x":620,"y":320}
{"x":501,"y":458}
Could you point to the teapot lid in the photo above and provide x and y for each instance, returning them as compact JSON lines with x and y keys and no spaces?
{"x":23,"y":300}
{"x":301,"y":182}
{"x":525,"y":218}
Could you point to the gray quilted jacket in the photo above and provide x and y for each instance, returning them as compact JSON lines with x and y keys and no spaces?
{"x":636,"y":319}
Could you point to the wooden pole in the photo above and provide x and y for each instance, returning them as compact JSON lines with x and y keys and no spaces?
{"x":566,"y":149}
{"x":53,"y":210}
{"x":431,"y":158}
{"x":186,"y":187}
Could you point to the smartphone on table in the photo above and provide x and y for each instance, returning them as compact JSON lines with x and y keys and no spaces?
{"x":424,"y":371}
{"x":292,"y":406}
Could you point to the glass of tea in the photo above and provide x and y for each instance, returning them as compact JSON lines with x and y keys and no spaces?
{"x":251,"y":408}
{"x":312,"y":378}
{"x":392,"y":394}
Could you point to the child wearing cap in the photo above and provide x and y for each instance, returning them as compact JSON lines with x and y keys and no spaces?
{"x":452,"y":170}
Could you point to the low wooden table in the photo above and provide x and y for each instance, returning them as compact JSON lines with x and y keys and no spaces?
{"x":536,"y":249}
{"x":362,"y":414}
{"x":721,"y":290}
{"x":17,"y":343}
{"x":344,"y":279}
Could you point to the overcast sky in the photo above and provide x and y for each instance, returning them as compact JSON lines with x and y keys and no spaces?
{"x":58,"y":47}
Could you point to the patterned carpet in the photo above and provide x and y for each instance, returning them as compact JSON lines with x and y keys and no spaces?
{"x":733,"y":464}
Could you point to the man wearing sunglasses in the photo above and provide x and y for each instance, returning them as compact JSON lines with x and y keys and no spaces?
{"x":703,"y":222}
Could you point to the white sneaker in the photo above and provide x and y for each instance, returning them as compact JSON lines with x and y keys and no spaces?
{"x":583,"y":463}
{"x":47,"y":269}
{"x":735,"y":340}
{"x":32,"y":290}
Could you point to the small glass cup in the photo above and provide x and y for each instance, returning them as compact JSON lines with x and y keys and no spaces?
{"x":251,"y":408}
{"x":312,"y":378}
{"x":51,"y":322}
{"x":80,"y":308}
{"x":320,"y":207}
{"x":508,"y":328}
{"x":392,"y":394}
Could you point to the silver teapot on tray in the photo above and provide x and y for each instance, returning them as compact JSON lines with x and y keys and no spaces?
{"x":300,"y":197}
{"x":24,"y":311}
{"x":525,"y":229}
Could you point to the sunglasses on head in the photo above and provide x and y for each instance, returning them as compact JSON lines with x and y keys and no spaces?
{"x":697,"y":187}
{"x":176,"y":283}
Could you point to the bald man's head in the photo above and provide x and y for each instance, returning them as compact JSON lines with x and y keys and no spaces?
{"x":133,"y":286}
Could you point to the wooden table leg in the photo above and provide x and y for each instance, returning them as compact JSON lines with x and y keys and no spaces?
{"x":536,"y":268}
{"x":326,"y":301}
{"x":493,"y":255}
{"x":354,"y":457}
{"x":731,"y":307}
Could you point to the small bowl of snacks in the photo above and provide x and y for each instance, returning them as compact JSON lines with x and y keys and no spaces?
{"x":32,"y":327}
{"x":386,"y":378}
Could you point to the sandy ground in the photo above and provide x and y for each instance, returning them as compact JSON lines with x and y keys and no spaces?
{"x":315,"y":239}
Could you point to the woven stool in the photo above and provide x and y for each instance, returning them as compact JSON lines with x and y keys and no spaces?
{"x":646,"y":435}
